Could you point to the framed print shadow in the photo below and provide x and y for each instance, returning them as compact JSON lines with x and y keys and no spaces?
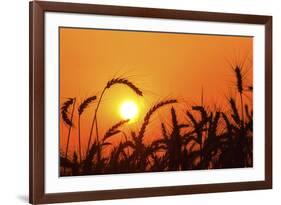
{"x":139,"y":102}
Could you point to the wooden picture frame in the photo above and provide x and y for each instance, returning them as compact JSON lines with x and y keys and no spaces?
{"x":37,"y":9}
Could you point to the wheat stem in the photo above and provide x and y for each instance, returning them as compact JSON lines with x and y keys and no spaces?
{"x":95,"y":121}
{"x":109,"y":85}
{"x":242,"y":109}
{"x":69,"y":130}
{"x":79,"y":136}
{"x":81,"y":109}
{"x":150,"y":112}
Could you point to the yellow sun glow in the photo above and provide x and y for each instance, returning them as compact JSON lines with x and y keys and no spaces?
{"x":128,"y":110}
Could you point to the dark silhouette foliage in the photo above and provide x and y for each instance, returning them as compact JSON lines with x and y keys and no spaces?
{"x":206,"y":139}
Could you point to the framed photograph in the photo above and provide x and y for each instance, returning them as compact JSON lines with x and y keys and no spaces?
{"x":139,"y":102}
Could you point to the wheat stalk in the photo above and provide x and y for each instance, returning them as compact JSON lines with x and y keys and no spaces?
{"x":124,"y":82}
{"x":114,"y":129}
{"x":150,"y":112}
{"x":109,"y":84}
{"x":164,"y":130}
{"x":239,"y":81}
{"x":81,"y":109}
{"x":239,"y":84}
{"x":85,"y":104}
{"x":64,"y":111}
{"x":235,"y":114}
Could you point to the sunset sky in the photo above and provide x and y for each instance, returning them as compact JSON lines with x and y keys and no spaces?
{"x":162,"y":65}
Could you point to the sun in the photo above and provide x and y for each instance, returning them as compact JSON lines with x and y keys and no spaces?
{"x":129,"y":110}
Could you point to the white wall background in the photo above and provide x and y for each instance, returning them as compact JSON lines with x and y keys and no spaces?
{"x":14,"y":100}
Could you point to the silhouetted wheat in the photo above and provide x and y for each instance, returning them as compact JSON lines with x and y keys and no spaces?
{"x":126,"y":82}
{"x":199,"y":126}
{"x":150,"y":112}
{"x":239,"y":81}
{"x":112,"y":82}
{"x":81,"y":109}
{"x":87,"y":165}
{"x":240,"y":88}
{"x":114,"y":129}
{"x":75,"y":165}
{"x":235,"y":115}
{"x":209,"y":139}
{"x":64,"y":112}
{"x":248,"y":113}
{"x":164,"y":130}
{"x":85,"y":104}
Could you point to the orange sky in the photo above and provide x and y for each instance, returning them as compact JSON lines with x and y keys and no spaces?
{"x":162,"y":65}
